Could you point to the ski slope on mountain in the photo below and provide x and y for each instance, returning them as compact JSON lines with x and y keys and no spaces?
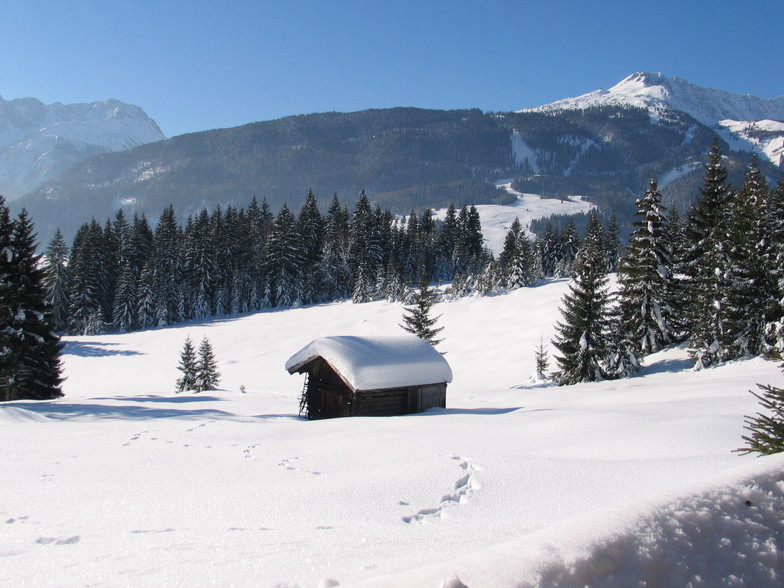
{"x":498,"y":218}
{"x":624,"y":483}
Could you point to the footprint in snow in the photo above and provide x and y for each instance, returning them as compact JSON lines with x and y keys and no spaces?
{"x":463,"y":487}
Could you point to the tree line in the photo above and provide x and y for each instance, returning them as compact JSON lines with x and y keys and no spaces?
{"x":714,"y":280}
{"x":124,"y":275}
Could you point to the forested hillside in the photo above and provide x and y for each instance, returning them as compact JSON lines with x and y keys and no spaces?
{"x":402,"y":158}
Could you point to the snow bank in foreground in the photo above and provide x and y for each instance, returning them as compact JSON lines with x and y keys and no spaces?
{"x":727,"y":532}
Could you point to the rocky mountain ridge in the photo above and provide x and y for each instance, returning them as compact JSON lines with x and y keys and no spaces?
{"x":38,"y":141}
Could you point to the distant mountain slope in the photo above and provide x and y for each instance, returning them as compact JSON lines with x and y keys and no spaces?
{"x":38,"y":141}
{"x":725,"y":112}
{"x":604,"y":147}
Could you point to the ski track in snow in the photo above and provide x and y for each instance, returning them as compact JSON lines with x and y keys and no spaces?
{"x":463,"y":488}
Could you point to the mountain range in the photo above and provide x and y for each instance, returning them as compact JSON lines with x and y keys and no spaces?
{"x":603,"y":146}
{"x":38,"y":141}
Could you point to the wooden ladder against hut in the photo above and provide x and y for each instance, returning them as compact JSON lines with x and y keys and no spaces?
{"x":303,"y":399}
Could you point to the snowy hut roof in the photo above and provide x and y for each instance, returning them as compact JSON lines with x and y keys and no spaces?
{"x":376,"y":363}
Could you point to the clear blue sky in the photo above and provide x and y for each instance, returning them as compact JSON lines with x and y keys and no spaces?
{"x":199,"y":65}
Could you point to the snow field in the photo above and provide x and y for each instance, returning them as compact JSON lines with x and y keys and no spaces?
{"x":123,"y":482}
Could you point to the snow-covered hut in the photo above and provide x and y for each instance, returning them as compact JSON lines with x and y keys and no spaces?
{"x":370,"y":376}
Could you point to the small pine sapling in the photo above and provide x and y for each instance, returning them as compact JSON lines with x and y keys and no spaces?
{"x":542,"y":361}
{"x":207,"y":375}
{"x":767,"y":430}
{"x":187,"y":366}
{"x":417,"y":319}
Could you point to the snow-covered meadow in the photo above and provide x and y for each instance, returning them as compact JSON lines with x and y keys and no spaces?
{"x":624,"y":483}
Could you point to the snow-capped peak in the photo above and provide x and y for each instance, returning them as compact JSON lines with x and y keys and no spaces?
{"x":656,"y":92}
{"x":37,"y":140}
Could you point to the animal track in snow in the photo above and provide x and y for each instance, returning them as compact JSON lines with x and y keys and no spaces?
{"x":136,"y":437}
{"x":464,"y":486}
{"x":288,"y":464}
{"x":198,"y":426}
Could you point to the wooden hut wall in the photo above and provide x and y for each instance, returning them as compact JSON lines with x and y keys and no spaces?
{"x":328,"y":395}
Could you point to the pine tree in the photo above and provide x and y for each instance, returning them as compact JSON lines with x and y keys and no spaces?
{"x":445,"y":245}
{"x":86,"y":274}
{"x":30,"y":348}
{"x":645,"y":312}
{"x":166,"y":267}
{"x":766,"y":430}
{"x":285,"y":254}
{"x":146,"y":305}
{"x":57,"y":280}
{"x":774,"y":262}
{"x":751,"y":287}
{"x":567,"y":248}
{"x":207,"y":375}
{"x":417,"y":319}
{"x":516,"y":263}
{"x":189,"y":367}
{"x":310,"y":226}
{"x":365,"y":252}
{"x":200,"y":259}
{"x":335,"y":266}
{"x":542,"y":358}
{"x":707,"y":262}
{"x":125,"y":311}
{"x":548,"y":247}
{"x":582,"y":334}
{"x":612,"y":244}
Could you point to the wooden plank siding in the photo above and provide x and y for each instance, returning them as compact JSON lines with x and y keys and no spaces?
{"x":328,"y":396}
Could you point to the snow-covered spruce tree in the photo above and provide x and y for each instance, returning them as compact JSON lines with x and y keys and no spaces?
{"x":199,"y":265}
{"x":548,"y":247}
{"x":581,"y":335}
{"x":285,"y":255}
{"x":775,"y":264}
{"x":57,"y":280}
{"x":30,"y":357}
{"x":85,"y":265}
{"x":445,"y":242}
{"x":516,"y":259}
{"x":751,"y":289}
{"x":707,"y":261}
{"x":612,"y":244}
{"x":207,"y":375}
{"x":166,"y":267}
{"x":145,"y":313}
{"x":188,"y":366}
{"x":677,"y":247}
{"x":766,"y":429}
{"x":335,"y":252}
{"x":469,"y":252}
{"x":644,"y":276}
{"x":310,"y":226}
{"x":139,"y":244}
{"x":366,"y":255}
{"x":125,"y":311}
{"x":417,"y":319}
{"x":567,"y":247}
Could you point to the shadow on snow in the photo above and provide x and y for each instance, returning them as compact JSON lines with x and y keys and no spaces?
{"x":61,"y":410}
{"x":84,"y":349}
